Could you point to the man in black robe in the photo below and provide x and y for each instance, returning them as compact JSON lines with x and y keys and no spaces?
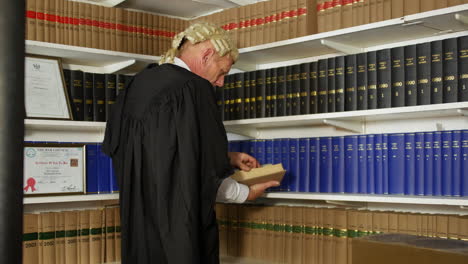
{"x":169,"y":150}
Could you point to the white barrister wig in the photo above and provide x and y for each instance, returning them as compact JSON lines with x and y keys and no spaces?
{"x":200,"y":32}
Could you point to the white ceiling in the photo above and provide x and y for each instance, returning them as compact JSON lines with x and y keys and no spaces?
{"x":178,"y":8}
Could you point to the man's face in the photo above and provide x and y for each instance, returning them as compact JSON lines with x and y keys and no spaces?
{"x":216,"y":68}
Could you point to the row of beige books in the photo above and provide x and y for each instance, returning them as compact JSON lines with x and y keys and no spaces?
{"x":267,"y":21}
{"x":81,"y":24}
{"x":92,"y":26}
{"x":337,"y":14}
{"x":288,"y":234}
{"x":72,"y":237}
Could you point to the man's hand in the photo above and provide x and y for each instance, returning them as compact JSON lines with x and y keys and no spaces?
{"x":258,"y":189}
{"x":243,"y":161}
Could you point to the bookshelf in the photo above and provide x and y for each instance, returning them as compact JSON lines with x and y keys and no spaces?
{"x":71,"y":198}
{"x":354,"y":121}
{"x":395,"y":199}
{"x":89,"y":59}
{"x":422,"y":27}
{"x":435,"y":23}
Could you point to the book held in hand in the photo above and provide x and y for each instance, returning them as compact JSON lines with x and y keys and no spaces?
{"x":265,"y":173}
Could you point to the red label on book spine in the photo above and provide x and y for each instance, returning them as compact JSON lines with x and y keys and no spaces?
{"x":31,"y":14}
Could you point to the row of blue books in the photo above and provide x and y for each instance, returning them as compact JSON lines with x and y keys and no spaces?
{"x":100,"y":177}
{"x":423,"y":163}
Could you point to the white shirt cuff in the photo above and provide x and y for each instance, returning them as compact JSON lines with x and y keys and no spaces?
{"x":230,"y":191}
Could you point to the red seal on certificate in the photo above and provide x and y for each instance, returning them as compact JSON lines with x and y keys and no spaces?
{"x":30,"y":184}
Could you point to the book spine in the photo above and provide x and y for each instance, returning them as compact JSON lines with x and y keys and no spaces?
{"x":447,"y":177}
{"x":423,"y":52}
{"x":268,"y":93}
{"x":398,"y":76}
{"x":285,"y":161}
{"x":370,"y":142}
{"x":331,"y":85}
{"x":88,"y":25}
{"x":437,"y":72}
{"x":378,"y":164}
{"x":429,"y":163}
{"x":304,"y":165}
{"x":305,"y":88}
{"x":82,"y":24}
{"x":362,"y":162}
{"x":340,"y":84}
{"x":313,"y":88}
{"x":294,"y":164}
{"x":260,"y":152}
{"x":277,"y":155}
{"x":350,"y":83}
{"x":385,"y":165}
{"x":411,"y":7}
{"x":372,"y":80}
{"x":463,"y":69}
{"x":239,"y":96}
{"x":110,"y":93}
{"x":99,"y":97}
{"x":252,"y":148}
{"x":103,"y":172}
{"x":423,"y":162}
{"x":338,"y":165}
{"x":296,"y":90}
{"x":411,"y":76}
{"x":384,"y":79}
{"x":95,"y":28}
{"x":227,"y":96}
{"x":396,"y":163}
{"x":314,"y":163}
{"x":351,"y":164}
{"x":88,"y":96}
{"x":67,"y":80}
{"x":409,"y":176}
{"x":456,"y":163}
{"x":437,"y":163}
{"x":361,"y":77}
{"x":322,"y":86}
{"x":326,"y":168}
{"x":246,"y":98}
{"x":269,"y":159}
{"x":289,"y":93}
{"x":281,"y":92}
{"x":253,"y":95}
{"x":274,"y":92}
{"x":76,"y":88}
{"x":464,"y":164}
{"x":450,"y":58}
{"x":31,"y":17}
{"x":261,"y":94}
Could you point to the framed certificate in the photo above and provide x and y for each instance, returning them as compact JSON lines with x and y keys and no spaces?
{"x":54,"y":169}
{"x":45,"y":93}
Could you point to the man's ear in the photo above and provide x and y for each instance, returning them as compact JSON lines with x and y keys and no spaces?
{"x":207,"y":54}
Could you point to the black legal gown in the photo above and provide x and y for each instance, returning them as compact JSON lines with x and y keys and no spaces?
{"x":169,"y":150}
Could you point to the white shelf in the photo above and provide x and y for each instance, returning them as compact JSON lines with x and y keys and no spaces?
{"x":70,"y":198}
{"x":412,"y":27}
{"x":64,"y":131}
{"x":89,"y":59}
{"x":41,"y":124}
{"x":349,"y":120}
{"x":422,"y":200}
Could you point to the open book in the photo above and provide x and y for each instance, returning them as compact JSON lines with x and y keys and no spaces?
{"x":265,"y":173}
